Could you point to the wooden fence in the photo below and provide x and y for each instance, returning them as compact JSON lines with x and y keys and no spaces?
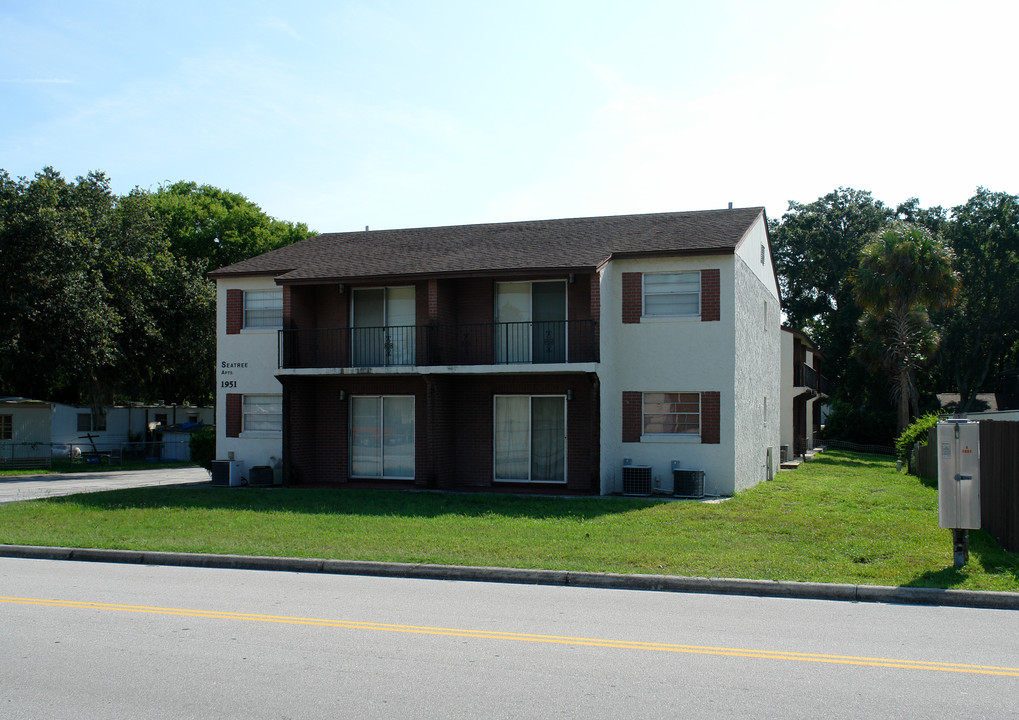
{"x":999,"y":478}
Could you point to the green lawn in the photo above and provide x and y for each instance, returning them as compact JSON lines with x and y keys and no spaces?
{"x":844,"y":517}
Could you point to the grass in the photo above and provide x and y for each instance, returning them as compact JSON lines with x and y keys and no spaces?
{"x":844,"y":517}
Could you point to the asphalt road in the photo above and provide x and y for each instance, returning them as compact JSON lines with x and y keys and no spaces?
{"x":32,"y":487}
{"x":96,"y":640}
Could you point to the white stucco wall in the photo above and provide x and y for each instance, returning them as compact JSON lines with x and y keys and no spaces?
{"x":757,"y":398}
{"x":666,"y":354}
{"x":246,"y":363}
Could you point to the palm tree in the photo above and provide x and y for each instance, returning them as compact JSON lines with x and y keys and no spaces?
{"x":903,"y":273}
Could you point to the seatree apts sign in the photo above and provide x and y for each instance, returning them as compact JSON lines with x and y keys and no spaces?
{"x":227,"y":369}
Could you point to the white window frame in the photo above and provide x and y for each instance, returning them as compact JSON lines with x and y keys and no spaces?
{"x":530,"y":415}
{"x":380,"y":429}
{"x":687,"y":436}
{"x":245,"y":414}
{"x":645,"y":293}
{"x":263,"y":295}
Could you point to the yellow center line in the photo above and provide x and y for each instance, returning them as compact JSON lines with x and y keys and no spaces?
{"x":527,"y":637}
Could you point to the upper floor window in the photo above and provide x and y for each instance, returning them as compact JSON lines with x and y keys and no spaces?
{"x":263,"y":309}
{"x":672,"y":294}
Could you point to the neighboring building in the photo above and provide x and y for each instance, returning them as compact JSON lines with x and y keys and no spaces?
{"x":24,"y":431}
{"x":77,"y":426}
{"x":524,"y":357}
{"x":804,"y":389}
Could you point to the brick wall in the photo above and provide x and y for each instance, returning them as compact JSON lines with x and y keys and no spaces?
{"x":633,"y":300}
{"x":234,"y":311}
{"x":710,"y":295}
{"x":633,"y":416}
{"x":711,"y":409}
{"x":234,"y":418}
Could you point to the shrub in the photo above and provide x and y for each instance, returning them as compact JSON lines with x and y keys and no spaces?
{"x":203,"y":447}
{"x":917,"y":432}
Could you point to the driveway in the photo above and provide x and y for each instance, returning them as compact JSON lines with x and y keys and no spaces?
{"x":33,"y":487}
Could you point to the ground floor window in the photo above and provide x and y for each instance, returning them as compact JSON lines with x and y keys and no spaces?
{"x":263,"y":413}
{"x":530,"y":438}
{"x":672,"y":413}
{"x":382,"y":436}
{"x":6,"y":427}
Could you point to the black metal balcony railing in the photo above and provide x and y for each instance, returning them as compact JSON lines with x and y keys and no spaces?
{"x":568,"y":341}
{"x":808,"y":377}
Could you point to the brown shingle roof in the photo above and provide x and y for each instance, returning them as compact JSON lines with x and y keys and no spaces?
{"x":539,"y":245}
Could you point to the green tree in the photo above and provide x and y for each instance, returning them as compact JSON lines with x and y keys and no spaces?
{"x":982,"y":329}
{"x":216,"y":227}
{"x":816,"y":248}
{"x":904,"y":271}
{"x":57,"y":330}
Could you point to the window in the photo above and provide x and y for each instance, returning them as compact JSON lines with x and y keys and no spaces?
{"x":87,"y":422}
{"x":262,"y":413}
{"x":672,"y":413}
{"x":6,"y":427}
{"x":162,"y":419}
{"x":530,"y":438}
{"x":382,"y":436}
{"x":263,"y":309}
{"x":192,"y":418}
{"x":672,"y":294}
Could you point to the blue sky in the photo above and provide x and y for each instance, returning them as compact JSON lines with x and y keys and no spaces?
{"x":404,"y":114}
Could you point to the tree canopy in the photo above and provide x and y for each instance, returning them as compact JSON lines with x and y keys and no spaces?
{"x":105,"y":298}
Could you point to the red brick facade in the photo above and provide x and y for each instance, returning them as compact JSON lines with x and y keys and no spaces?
{"x":710,"y":296}
{"x":633,"y":416}
{"x":633,"y":297}
{"x":234,"y":417}
{"x":234,"y":311}
{"x":454,"y":429}
{"x":711,"y":410}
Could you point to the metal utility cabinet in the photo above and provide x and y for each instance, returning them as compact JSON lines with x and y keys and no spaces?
{"x":959,"y":482}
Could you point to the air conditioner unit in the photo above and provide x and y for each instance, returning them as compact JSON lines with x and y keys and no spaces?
{"x":688,"y":483}
{"x":227,"y":472}
{"x":636,"y":479}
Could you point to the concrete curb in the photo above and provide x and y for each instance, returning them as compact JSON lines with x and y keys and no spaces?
{"x":618,"y":581}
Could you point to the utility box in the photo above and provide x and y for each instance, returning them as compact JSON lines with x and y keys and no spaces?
{"x":959,"y":474}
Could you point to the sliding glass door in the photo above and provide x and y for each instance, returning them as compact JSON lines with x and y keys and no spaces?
{"x":383,"y":329}
{"x":530,"y":322}
{"x":382,"y":436}
{"x":530,"y":438}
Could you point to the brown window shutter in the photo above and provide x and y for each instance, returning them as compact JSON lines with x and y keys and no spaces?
{"x":234,"y":311}
{"x":633,"y":302}
{"x":711,"y":408}
{"x":633,"y":416}
{"x":710,"y":295}
{"x":234,"y":421}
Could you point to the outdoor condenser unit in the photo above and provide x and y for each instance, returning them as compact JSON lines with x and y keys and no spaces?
{"x":687,"y":482}
{"x":636,"y":479}
{"x":227,"y":472}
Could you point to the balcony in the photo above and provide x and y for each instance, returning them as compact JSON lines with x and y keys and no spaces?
{"x":519,"y":343}
{"x":805,"y":376}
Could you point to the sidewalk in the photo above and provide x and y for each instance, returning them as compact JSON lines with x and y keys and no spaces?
{"x":34,"y":487}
